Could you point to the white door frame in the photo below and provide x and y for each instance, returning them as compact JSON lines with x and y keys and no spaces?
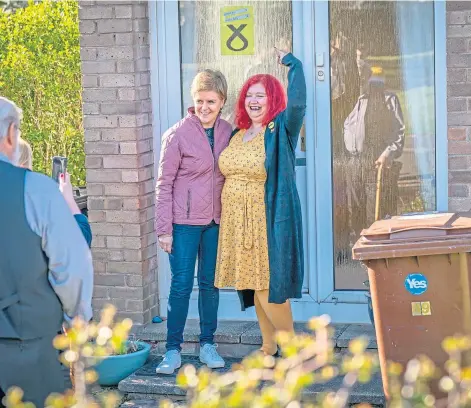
{"x":310,"y":39}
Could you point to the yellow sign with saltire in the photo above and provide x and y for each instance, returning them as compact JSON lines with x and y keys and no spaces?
{"x":237,"y":30}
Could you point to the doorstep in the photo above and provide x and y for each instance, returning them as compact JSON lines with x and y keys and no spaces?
{"x":144,"y":388}
{"x":238,"y":338}
{"x":235,"y":340}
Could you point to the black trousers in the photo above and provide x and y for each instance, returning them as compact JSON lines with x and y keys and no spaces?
{"x":33,"y":366}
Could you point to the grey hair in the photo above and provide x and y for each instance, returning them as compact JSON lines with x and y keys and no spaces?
{"x":9,"y":113}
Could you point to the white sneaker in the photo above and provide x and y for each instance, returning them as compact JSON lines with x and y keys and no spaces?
{"x":210,"y":357}
{"x":171,"y":362}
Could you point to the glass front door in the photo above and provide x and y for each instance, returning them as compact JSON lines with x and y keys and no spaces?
{"x":375,"y":74}
{"x":376,"y":82}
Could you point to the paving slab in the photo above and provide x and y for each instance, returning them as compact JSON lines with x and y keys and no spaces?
{"x":231,"y":331}
{"x":371,"y":393}
{"x":227,"y":331}
{"x":354,"y":331}
{"x":238,"y":350}
{"x":253,"y":335}
{"x":146,"y":381}
{"x":145,"y":385}
{"x":139,"y":403}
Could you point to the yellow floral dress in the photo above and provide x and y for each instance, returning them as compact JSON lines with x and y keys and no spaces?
{"x":242,"y":261}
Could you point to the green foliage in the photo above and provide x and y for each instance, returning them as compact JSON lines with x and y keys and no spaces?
{"x":40,"y":72}
{"x":261,"y":381}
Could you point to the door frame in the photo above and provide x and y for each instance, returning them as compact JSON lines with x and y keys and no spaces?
{"x":309,"y":17}
{"x":321,"y":169}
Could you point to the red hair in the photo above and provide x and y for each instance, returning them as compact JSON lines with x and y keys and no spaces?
{"x":276,"y":99}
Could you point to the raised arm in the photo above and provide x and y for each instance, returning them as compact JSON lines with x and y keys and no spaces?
{"x":296,"y":106}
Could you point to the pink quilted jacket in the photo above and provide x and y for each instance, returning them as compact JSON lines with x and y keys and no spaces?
{"x":189,"y":182}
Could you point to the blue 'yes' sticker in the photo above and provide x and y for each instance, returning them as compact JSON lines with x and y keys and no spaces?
{"x":416,"y":283}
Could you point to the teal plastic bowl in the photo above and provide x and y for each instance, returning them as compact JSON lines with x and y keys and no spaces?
{"x":113,"y":369}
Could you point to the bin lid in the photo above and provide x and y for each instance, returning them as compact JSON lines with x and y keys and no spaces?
{"x":415,"y":235}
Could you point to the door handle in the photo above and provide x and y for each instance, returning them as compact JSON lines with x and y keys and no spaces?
{"x":320,"y":71}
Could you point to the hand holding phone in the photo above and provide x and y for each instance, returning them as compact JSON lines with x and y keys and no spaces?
{"x":59,"y":166}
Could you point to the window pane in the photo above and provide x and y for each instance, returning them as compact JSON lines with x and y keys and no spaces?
{"x":200,"y":31}
{"x":382,"y":78}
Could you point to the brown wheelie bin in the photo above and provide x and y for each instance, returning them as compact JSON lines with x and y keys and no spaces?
{"x":418,"y":268}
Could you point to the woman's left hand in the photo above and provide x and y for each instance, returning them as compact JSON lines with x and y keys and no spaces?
{"x":280,"y":54}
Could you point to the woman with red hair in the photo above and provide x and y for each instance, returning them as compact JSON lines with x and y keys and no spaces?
{"x":260,"y":243}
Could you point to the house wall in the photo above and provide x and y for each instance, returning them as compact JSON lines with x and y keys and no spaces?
{"x":459,"y":103}
{"x":119,"y":158}
{"x":117,"y":119}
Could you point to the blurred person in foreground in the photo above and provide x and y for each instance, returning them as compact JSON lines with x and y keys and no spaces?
{"x":65,"y":186}
{"x":45,"y":269}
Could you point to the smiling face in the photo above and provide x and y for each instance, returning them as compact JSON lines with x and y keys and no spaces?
{"x":208,"y":104}
{"x":256,"y":103}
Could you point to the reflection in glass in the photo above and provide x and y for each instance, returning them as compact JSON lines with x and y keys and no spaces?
{"x":383,"y":116}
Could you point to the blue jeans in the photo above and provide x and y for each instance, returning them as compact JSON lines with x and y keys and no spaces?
{"x":189,"y":242}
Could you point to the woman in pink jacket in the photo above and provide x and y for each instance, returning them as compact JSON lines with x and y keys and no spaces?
{"x":188,"y":210}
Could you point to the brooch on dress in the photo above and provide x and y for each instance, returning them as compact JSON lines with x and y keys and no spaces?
{"x":271,"y":126}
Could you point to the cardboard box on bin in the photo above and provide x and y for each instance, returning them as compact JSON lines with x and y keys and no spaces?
{"x":418,"y":268}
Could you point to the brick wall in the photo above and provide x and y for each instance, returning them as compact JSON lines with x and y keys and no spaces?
{"x":459,"y":103}
{"x":119,"y":157}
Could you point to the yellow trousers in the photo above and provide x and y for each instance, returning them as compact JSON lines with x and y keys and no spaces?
{"x":272,"y":318}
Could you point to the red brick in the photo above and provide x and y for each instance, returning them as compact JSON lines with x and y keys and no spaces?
{"x":457,"y":134}
{"x":121,"y":216}
{"x":114,"y":26}
{"x":120,"y":162}
{"x":132,"y":255}
{"x":102,"y":148}
{"x":114,"y":204}
{"x":98,"y":67}
{"x":93,"y":162}
{"x":103,"y":176}
{"x":134,"y":280}
{"x":459,"y":31}
{"x":120,"y":134}
{"x":116,"y":80}
{"x":122,"y":189}
{"x":123,"y":11}
{"x":95,"y":13}
{"x":132,"y":230}
{"x":458,"y":190}
{"x":106,"y":228}
{"x":459,"y":148}
{"x":96,"y":216}
{"x":123,"y":242}
{"x":129,"y":268}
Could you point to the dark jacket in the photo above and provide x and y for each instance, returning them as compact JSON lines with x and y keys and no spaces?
{"x":391,"y":142}
{"x":29,"y":307}
{"x":282,"y":205}
{"x":84,"y":226}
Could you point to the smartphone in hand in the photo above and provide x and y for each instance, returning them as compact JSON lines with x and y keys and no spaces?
{"x":59,"y":165}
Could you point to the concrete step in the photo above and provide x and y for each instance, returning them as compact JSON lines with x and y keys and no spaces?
{"x":145,"y":388}
{"x":239,"y":338}
{"x":235,"y":339}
